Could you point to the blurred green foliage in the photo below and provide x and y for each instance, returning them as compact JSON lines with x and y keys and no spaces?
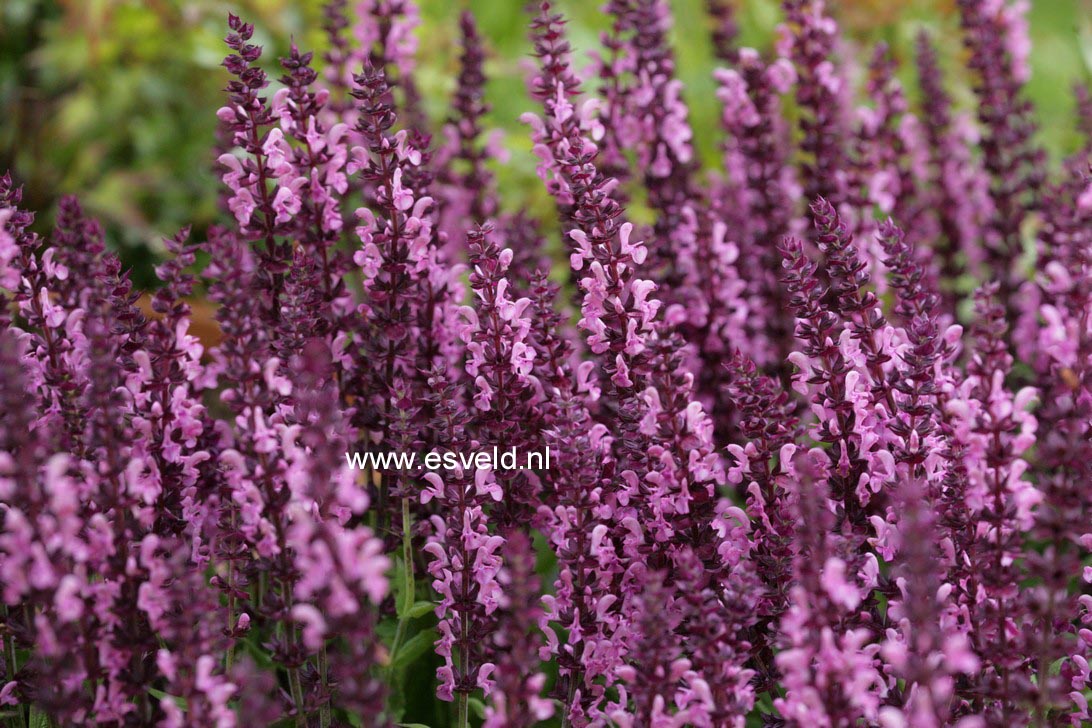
{"x":115,"y":99}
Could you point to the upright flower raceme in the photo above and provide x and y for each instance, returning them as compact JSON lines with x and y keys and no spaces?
{"x":770,"y":427}
{"x":500,"y":359}
{"x":254,"y":463}
{"x":583,"y":604}
{"x":603,"y":249}
{"x":880,"y":166}
{"x":1061,"y":363}
{"x":465,"y":181}
{"x":311,"y":176}
{"x":517,"y":700}
{"x":404,"y":288}
{"x":828,"y":663}
{"x":261,"y":214}
{"x":384,"y":31}
{"x":997,"y":430}
{"x":758,"y":174}
{"x":725,"y":29}
{"x":959,"y":198}
{"x":646,"y":112}
{"x":340,"y":560}
{"x":808,"y":42}
{"x":679,"y":479}
{"x":995,"y":33}
{"x":928,"y":648}
{"x":836,"y":367}
{"x":465,"y":559}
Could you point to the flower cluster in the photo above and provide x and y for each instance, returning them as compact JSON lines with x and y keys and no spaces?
{"x":820,"y":437}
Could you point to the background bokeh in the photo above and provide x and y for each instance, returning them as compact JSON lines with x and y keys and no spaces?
{"x":115,"y":99}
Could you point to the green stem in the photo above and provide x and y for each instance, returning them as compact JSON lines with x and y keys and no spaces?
{"x":382,"y":505}
{"x":297,"y":696}
{"x":407,"y":551}
{"x":398,"y":637}
{"x":464,"y":711}
{"x":408,"y":595}
{"x":294,"y":685}
{"x":324,"y":712}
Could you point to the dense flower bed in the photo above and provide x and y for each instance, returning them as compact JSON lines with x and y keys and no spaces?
{"x":820,"y":432}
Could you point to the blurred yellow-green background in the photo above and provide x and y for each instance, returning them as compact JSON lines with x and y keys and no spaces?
{"x":115,"y":99}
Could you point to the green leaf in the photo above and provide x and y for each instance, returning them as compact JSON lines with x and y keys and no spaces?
{"x":396,"y":702}
{"x":420,"y":609}
{"x":413,"y":648}
{"x":408,"y":593}
{"x":160,"y":695}
{"x":387,"y":627}
{"x":38,"y":718}
{"x":411,"y":725}
{"x":407,"y":596}
{"x":259,"y":655}
{"x":478,"y":707}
